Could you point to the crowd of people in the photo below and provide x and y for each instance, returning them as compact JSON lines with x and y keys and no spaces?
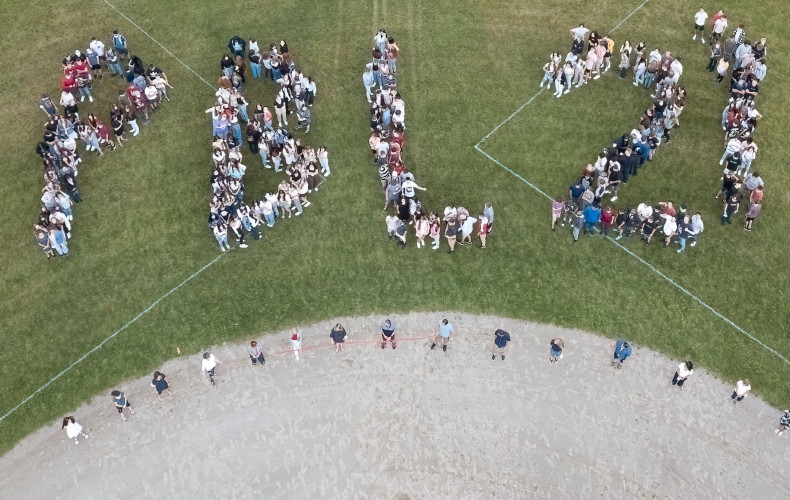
{"x":66,"y":127}
{"x":498,"y":345}
{"x":398,"y":184}
{"x":584,"y":210}
{"x":745,"y":63}
{"x":278,"y":148}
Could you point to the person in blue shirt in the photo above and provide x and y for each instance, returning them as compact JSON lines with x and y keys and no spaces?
{"x":444,"y":335}
{"x":501,"y":343}
{"x":575,"y":191}
{"x":622,"y":350}
{"x":592,"y":216}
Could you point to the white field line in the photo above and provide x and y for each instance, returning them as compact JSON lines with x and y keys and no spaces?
{"x":113,"y":7}
{"x":629,"y":252}
{"x":110,"y":337}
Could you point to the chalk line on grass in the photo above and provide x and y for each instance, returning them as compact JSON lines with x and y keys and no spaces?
{"x":113,"y":7}
{"x":110,"y":337}
{"x":640,"y":259}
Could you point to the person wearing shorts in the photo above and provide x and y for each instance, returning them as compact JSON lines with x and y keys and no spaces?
{"x":338,"y":337}
{"x":699,"y":24}
{"x":742,"y":389}
{"x":444,"y":335}
{"x":121,"y":403}
{"x":160,"y":385}
{"x":557,"y":209}
{"x":388,"y":333}
{"x":501,"y":343}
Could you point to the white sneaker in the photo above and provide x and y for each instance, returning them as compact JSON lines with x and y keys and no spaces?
{"x":614,"y":198}
{"x":680,"y":250}
{"x":566,"y":91}
{"x":558,"y":95}
{"x":703,"y":40}
{"x":243,"y":245}
{"x":298,"y":213}
{"x":693,"y":243}
{"x":90,"y":98}
{"x":82,"y":99}
{"x":695,"y":37}
{"x":596,"y":77}
{"x":636,"y":84}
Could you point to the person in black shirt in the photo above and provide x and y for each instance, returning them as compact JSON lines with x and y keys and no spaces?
{"x":338,"y":337}
{"x":727,"y":185}
{"x":622,"y":217}
{"x":648,"y":230}
{"x":730,"y":209}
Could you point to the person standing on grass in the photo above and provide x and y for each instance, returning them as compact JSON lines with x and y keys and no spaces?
{"x":256,"y":353}
{"x":482,"y":230}
{"x":444,"y":335}
{"x":501,"y":343}
{"x":742,"y":388}
{"x":73,"y":429}
{"x":338,"y":337}
{"x":557,"y":209}
{"x":121,"y":403}
{"x":388,"y":333}
{"x":160,"y":385}
{"x":577,"y":224}
{"x":208,"y":365}
{"x":699,"y":24}
{"x":592,"y":216}
{"x":731,"y":206}
{"x":784,"y":423}
{"x":555,"y":350}
{"x":622,"y":350}
{"x":684,"y":371}
{"x":751,"y":214}
{"x":451,"y":233}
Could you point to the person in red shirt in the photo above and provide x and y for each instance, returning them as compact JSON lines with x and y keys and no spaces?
{"x":756,"y":196}
{"x":138,"y":99}
{"x":607,"y":219}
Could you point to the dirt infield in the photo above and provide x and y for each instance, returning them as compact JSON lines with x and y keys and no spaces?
{"x":415,"y":423}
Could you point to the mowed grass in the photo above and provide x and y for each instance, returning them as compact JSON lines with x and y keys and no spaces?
{"x":465,"y":67}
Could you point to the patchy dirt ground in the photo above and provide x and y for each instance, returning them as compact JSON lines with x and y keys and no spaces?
{"x":415,"y":423}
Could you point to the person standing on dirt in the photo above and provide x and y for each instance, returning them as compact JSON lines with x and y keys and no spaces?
{"x":388,"y":333}
{"x":622,"y":350}
{"x":208,"y":365}
{"x":73,"y":429}
{"x":444,"y":335}
{"x":742,"y":389}
{"x":338,"y":337}
{"x":501,"y":343}
{"x":121,"y":403}
{"x":683,"y":372}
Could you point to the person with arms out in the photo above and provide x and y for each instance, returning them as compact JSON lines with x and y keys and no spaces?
{"x":161,"y":386}
{"x":338,"y":337}
{"x":622,"y":350}
{"x":684,"y":371}
{"x":73,"y":429}
{"x":501,"y":343}
{"x":444,"y":335}
{"x":388,"y":333}
{"x":742,"y":388}
{"x":208,"y":366}
{"x":121,"y":403}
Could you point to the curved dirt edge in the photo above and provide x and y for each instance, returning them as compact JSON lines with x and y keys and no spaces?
{"x":415,"y":423}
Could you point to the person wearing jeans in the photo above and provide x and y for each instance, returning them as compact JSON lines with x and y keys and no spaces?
{"x":683,"y":372}
{"x":578,"y":224}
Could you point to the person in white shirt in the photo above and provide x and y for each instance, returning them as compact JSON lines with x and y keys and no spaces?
{"x":733,"y":146}
{"x":392,"y":225}
{"x":253,"y":46}
{"x":699,"y":24}
{"x":684,"y":371}
{"x":742,"y":389}
{"x":697,"y":227}
{"x":466,"y":230}
{"x":98,"y":47}
{"x":408,"y":188}
{"x":295,"y":336}
{"x":208,"y":365}
{"x":73,"y":429}
{"x":718,"y":28}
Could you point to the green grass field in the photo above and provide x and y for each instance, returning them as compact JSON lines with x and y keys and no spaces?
{"x":465,"y":67}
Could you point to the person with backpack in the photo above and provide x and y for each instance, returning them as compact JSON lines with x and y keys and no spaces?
{"x":120,"y":45}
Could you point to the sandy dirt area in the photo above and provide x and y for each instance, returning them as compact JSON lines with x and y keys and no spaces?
{"x":415,"y":423}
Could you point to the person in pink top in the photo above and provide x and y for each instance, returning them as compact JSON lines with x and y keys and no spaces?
{"x":421,"y":228}
{"x":557,"y":209}
{"x":751,"y":214}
